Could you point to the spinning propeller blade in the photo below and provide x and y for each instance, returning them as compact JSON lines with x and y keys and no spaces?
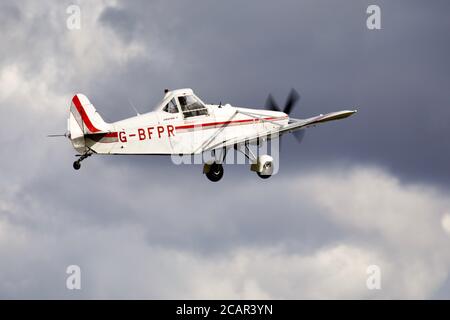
{"x":271,"y":104}
{"x":291,"y":101}
{"x":299,"y":135}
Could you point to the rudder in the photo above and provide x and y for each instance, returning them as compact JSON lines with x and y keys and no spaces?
{"x":84,"y":119}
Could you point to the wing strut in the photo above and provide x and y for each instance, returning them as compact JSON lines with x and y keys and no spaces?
{"x":219,"y":130}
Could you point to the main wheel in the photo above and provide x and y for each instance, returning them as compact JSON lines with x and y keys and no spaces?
{"x":77,"y":165}
{"x":215,"y":172}
{"x":263,"y":176}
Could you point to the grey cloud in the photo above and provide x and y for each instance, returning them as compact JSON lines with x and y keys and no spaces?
{"x":396,"y":77}
{"x":121,"y":256}
{"x":120,"y":21}
{"x":135,"y":223}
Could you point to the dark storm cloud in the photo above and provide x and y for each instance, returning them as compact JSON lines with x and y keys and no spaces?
{"x":397,"y":77}
{"x":120,"y":21}
{"x":199,"y":219}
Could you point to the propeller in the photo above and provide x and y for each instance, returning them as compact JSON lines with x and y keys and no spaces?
{"x":299,"y":135}
{"x":291,"y":101}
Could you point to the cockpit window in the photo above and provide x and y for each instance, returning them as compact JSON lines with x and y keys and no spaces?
{"x":171,"y":107}
{"x":192,"y":107}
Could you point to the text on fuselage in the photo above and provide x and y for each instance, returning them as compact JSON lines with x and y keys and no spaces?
{"x":149,"y":133}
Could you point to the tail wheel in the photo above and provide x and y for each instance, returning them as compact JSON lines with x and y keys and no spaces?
{"x":215,"y":172}
{"x":77,"y":165}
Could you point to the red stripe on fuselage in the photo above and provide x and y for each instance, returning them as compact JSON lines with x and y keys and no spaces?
{"x":83,"y":115}
{"x":199,"y":125}
{"x":111,"y":135}
{"x":208,"y":124}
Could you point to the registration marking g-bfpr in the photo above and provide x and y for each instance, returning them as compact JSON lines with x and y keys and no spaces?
{"x":147,"y":133}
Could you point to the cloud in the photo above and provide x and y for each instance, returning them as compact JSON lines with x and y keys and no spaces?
{"x":144,"y":228}
{"x":402,"y":219}
{"x":121,"y":260}
{"x":446,"y":222}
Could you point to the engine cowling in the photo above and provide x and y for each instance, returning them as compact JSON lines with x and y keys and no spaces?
{"x":263,"y":166}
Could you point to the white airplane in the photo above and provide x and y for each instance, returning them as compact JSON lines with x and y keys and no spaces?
{"x":182,"y":124}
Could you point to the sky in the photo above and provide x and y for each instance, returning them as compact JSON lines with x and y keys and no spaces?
{"x":373,"y":189}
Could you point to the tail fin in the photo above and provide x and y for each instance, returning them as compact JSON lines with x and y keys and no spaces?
{"x":84,"y":119}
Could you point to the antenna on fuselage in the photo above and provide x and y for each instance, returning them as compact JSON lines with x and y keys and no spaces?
{"x":166,"y":91}
{"x":134,"y":108}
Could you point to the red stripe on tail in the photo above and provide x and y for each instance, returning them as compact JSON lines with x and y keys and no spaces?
{"x":83,"y":114}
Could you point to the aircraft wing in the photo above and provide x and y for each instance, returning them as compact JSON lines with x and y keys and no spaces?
{"x":293,"y":125}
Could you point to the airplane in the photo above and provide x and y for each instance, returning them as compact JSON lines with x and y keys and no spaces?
{"x":182,"y":124}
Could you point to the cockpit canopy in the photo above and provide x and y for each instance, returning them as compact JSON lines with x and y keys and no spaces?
{"x":186,"y":101}
{"x":171,"y":107}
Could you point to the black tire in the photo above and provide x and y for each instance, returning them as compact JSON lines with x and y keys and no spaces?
{"x":215,"y":172}
{"x":267,"y":176}
{"x":77,"y":165}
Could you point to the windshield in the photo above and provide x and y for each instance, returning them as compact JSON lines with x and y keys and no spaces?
{"x":190,"y":106}
{"x":171,"y":107}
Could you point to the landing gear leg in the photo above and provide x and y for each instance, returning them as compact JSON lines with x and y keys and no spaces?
{"x":262,"y":164}
{"x":77,"y":164}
